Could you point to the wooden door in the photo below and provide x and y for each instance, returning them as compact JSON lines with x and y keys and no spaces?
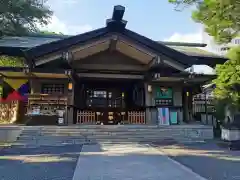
{"x":108,"y":103}
{"x":116,"y":105}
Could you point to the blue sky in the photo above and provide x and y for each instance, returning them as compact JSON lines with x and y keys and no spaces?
{"x":155,"y":19}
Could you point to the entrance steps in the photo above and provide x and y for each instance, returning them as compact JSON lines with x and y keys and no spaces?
{"x":58,"y":135}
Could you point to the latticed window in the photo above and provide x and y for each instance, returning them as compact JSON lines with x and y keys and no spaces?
{"x":53,"y":88}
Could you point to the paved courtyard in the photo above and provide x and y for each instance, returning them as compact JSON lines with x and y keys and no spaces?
{"x":128,"y":162}
{"x":38,"y":163}
{"x":122,"y":161}
{"x":207,"y":159}
{"x":97,"y":161}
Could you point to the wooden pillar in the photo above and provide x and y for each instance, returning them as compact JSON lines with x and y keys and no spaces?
{"x":70,"y":103}
{"x":72,"y":100}
{"x":187,"y":104}
{"x":148,"y":102}
{"x":190,"y":104}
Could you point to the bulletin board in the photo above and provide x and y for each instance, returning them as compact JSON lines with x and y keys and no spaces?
{"x":164,"y":96}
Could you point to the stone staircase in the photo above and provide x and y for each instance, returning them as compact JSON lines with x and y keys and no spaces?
{"x":60,"y":135}
{"x":39,"y":136}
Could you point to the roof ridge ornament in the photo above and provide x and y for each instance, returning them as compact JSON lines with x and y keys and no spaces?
{"x":116,"y":23}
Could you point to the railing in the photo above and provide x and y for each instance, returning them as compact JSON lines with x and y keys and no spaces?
{"x":86,"y":117}
{"x":90,"y":117}
{"x":136,"y":117}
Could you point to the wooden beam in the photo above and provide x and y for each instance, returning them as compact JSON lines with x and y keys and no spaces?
{"x":110,"y":76}
{"x":112,"y":45}
{"x":117,"y":67}
{"x":155,"y":62}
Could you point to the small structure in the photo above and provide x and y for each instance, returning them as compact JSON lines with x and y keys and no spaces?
{"x":110,"y":75}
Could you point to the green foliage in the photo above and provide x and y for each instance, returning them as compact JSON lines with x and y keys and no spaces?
{"x":228,"y":75}
{"x":8,"y":61}
{"x":50,"y":33}
{"x":19,"y":17}
{"x":220,"y":109}
{"x":220,"y":17}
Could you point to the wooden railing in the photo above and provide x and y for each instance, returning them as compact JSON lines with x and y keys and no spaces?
{"x":136,"y":117}
{"x":86,"y":117}
{"x":132,"y":117}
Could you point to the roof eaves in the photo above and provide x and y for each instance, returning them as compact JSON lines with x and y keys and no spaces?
{"x":172,"y":53}
{"x":42,"y":35}
{"x":169,"y":43}
{"x":210,"y":61}
{"x":12,"y":51}
{"x":64,"y":43}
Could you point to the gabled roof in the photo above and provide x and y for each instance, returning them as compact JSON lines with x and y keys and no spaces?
{"x":114,"y":25}
{"x":78,"y":39}
{"x":36,"y":46}
{"x":65,"y":43}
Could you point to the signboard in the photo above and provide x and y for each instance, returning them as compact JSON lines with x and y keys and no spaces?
{"x":164,"y":96}
{"x":164,"y":93}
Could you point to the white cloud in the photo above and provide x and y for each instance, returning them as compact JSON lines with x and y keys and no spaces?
{"x":189,"y":37}
{"x":58,"y":26}
{"x":195,"y":37}
{"x":63,"y":2}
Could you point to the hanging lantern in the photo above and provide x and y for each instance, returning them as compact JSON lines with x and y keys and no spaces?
{"x":149,"y":88}
{"x":70,"y":86}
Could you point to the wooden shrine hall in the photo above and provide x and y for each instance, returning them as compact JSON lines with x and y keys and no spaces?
{"x":110,"y":75}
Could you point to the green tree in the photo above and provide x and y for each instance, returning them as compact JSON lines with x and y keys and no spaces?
{"x":228,"y":76}
{"x":19,"y":17}
{"x":221,"y":18}
{"x":8,"y":61}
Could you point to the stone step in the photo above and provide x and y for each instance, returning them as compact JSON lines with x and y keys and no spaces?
{"x":59,"y":134}
{"x":107,"y":130}
{"x":105,"y":136}
{"x":148,"y":140}
{"x":111,"y":134}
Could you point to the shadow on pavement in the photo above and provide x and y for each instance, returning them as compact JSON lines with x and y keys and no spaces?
{"x":39,"y":163}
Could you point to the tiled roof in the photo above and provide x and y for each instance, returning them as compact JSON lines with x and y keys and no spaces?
{"x":194,"y":51}
{"x":15,"y":45}
{"x":26,"y":41}
{"x":36,"y":40}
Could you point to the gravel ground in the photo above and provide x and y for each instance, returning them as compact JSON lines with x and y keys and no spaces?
{"x":39,"y":163}
{"x":206,"y":159}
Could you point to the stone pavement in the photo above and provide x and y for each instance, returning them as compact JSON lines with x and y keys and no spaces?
{"x":39,"y":163}
{"x":48,"y":157}
{"x":128,"y":162}
{"x":207,"y":159}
